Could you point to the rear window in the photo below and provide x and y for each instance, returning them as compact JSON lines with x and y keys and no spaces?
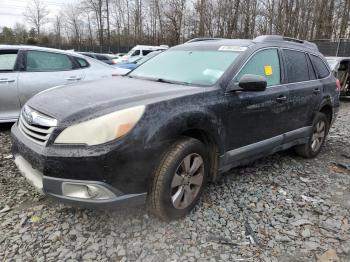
{"x":296,"y":66}
{"x":320,"y":67}
{"x":101,"y":57}
{"x":38,"y":61}
{"x":82,"y":62}
{"x":8,"y":60}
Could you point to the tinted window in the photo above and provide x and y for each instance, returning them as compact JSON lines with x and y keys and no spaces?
{"x":136,"y":52}
{"x":320,"y":67}
{"x":264,"y":63}
{"x":296,"y":66}
{"x":8,"y":60}
{"x":38,"y":61}
{"x":146,"y":52}
{"x":101,"y":57}
{"x":89,"y":55}
{"x":82,"y":62}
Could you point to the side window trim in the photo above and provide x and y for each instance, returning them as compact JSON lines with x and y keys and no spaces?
{"x":252,"y":55}
{"x":311,"y":67}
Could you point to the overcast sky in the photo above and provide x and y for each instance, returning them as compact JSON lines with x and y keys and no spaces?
{"x":11,"y":11}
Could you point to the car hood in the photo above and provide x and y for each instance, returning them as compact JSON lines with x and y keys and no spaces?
{"x":90,"y":99}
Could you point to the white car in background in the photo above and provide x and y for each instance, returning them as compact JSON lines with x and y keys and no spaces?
{"x":140,"y":51}
{"x":28,"y":70}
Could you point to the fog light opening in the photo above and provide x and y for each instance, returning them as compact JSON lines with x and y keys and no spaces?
{"x":86,"y":191}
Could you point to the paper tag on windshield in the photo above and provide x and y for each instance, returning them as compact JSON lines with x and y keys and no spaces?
{"x":231,"y":48}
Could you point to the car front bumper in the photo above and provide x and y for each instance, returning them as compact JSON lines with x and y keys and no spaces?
{"x":122,"y":170}
{"x":54,"y":187}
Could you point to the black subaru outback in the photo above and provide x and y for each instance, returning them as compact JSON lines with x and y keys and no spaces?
{"x":157,"y":135}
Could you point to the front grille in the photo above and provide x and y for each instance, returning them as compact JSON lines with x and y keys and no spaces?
{"x":40,"y":128}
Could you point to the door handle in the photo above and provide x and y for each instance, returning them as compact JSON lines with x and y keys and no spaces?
{"x":281,"y":99}
{"x":73,"y":78}
{"x":5,"y":80}
{"x":317,"y":91}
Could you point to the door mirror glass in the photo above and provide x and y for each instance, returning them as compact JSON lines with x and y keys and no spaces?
{"x":252,"y":83}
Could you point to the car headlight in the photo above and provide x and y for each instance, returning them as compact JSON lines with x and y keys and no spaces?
{"x":102,"y":129}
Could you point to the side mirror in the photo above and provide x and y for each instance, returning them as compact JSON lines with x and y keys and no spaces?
{"x":249,"y":83}
{"x":253,"y":83}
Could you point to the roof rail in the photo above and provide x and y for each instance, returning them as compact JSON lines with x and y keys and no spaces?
{"x":267,"y":38}
{"x":202,"y":39}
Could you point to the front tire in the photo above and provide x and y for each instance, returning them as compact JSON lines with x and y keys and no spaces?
{"x":179,"y":180}
{"x":319,"y":132}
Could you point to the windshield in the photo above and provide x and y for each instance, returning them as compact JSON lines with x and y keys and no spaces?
{"x":332,"y":63}
{"x":190,"y":67}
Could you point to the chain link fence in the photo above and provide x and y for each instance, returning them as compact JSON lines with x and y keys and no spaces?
{"x":340,"y":47}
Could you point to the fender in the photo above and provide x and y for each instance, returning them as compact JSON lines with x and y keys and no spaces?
{"x":175,"y":121}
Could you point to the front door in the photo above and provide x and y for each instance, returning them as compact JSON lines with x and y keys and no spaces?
{"x":256,"y":120}
{"x":9,"y":102}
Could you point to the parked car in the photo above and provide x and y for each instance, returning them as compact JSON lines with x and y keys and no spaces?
{"x":341,"y":69}
{"x":105,"y":58}
{"x":28,"y":70}
{"x":140,"y":51}
{"x":117,"y":57}
{"x":176,"y":122}
{"x":139,"y":61}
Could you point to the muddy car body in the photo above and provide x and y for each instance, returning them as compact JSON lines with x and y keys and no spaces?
{"x":184,"y":133}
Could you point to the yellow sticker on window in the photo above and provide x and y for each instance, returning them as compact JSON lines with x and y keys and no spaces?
{"x":268,"y":70}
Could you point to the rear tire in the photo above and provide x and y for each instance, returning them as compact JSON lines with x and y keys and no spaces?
{"x":319,"y":132}
{"x":179,"y":180}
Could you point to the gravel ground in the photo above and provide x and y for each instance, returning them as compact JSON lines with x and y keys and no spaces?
{"x":280,"y":208}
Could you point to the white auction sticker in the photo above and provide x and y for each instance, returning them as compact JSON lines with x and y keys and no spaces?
{"x":233,"y":48}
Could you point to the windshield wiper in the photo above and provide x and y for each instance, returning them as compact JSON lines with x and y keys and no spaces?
{"x":161,"y":80}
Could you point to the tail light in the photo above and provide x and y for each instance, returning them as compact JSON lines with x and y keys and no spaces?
{"x":338,"y":84}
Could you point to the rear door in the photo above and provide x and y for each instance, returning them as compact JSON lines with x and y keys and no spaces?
{"x":9,"y":102}
{"x":44,"y":70}
{"x":304,"y":89}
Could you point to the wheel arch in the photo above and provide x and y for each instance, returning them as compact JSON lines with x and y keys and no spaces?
{"x":327,"y":109}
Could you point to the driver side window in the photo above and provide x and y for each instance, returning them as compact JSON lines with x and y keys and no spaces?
{"x":264,"y":63}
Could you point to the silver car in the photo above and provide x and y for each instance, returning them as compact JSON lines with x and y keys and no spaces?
{"x":28,"y":70}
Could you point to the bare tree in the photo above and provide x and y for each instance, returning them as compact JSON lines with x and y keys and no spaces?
{"x":36,"y":14}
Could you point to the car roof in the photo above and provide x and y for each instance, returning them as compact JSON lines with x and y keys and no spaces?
{"x":39,"y":48}
{"x":338,"y":58}
{"x":265,"y":40}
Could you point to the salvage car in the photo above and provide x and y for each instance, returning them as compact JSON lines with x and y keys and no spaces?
{"x":340,"y":67}
{"x":181,"y":119}
{"x":28,"y":70}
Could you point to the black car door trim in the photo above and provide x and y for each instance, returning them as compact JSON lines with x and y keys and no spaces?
{"x":265,"y":147}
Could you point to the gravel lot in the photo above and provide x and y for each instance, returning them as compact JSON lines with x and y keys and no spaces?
{"x":280,"y":208}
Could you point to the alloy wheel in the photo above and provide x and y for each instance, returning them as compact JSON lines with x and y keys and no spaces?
{"x":318,"y":136}
{"x":187,"y":181}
